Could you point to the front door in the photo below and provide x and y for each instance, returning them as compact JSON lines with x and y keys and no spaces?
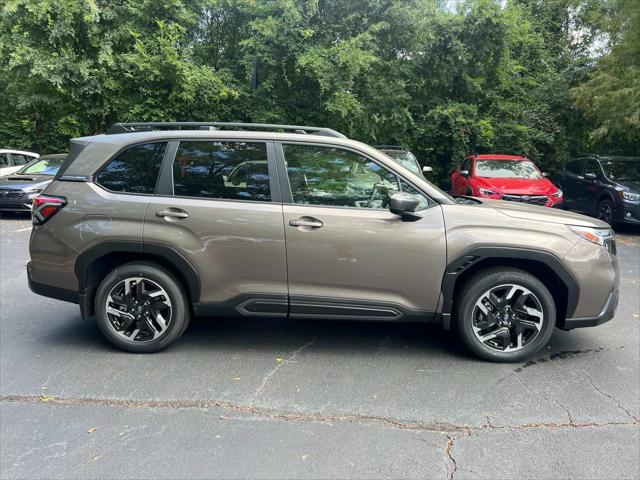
{"x":216,"y":207}
{"x":348,"y":256}
{"x":460,"y":182}
{"x":589,"y":187}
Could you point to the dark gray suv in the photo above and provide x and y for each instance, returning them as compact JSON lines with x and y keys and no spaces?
{"x":150,"y":224}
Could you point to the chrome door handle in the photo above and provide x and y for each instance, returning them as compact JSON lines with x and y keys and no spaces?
{"x":308,"y":222}
{"x":172,"y":213}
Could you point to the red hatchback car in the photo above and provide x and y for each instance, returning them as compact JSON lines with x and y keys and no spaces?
{"x":504,"y":177}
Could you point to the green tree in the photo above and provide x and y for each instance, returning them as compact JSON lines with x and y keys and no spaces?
{"x":611,"y":95}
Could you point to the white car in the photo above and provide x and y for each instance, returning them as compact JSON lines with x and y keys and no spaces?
{"x":13,"y":160}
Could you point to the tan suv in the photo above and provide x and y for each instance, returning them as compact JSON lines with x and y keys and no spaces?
{"x":150,"y":224}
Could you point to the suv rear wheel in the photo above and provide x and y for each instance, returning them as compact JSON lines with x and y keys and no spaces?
{"x":141,"y":308}
{"x":505,"y":314}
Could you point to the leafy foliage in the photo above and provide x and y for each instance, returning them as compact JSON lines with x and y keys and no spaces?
{"x":484,"y":76}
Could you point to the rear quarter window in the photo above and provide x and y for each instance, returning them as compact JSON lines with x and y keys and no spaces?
{"x":134,"y":170}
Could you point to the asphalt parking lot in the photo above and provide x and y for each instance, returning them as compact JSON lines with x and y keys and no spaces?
{"x":274,"y":399}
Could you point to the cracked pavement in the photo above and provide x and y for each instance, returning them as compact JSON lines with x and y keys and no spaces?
{"x":293,"y":399}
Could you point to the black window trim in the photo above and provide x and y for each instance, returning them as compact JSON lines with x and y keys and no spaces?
{"x":94,"y":178}
{"x":283,"y":177}
{"x":165,"y":179}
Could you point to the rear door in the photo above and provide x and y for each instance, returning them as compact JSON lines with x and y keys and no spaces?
{"x":217,"y":205}
{"x":4,"y":164}
{"x":348,"y":256}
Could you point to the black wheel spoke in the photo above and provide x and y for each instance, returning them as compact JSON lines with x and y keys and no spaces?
{"x":520,"y":301}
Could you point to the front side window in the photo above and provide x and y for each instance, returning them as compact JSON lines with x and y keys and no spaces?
{"x":222,"y":170}
{"x":592,"y":168}
{"x":575,"y":167}
{"x":4,"y":160}
{"x":19,"y":159}
{"x":335,"y":177}
{"x":507,"y":169}
{"x":135,"y":170}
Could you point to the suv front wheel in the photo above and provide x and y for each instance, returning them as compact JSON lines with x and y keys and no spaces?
{"x":505,"y":314}
{"x":141,"y":308}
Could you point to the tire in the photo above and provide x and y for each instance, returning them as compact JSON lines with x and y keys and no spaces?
{"x":156,"y":307}
{"x":604,"y":211}
{"x":526,"y":331}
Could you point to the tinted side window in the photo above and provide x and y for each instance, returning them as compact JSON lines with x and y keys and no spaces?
{"x":574,"y":166}
{"x":4,"y":160}
{"x":226,"y":170}
{"x":592,"y":167}
{"x":135,"y":170}
{"x":19,"y":159}
{"x":336,"y":177}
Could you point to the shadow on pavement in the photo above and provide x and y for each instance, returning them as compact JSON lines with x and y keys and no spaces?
{"x":237,"y":335}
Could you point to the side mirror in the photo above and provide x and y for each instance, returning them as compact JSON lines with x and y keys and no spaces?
{"x":427,"y":169}
{"x":404,"y":205}
{"x":590,"y":176}
{"x":464,"y":173}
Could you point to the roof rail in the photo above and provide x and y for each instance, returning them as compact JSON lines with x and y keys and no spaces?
{"x":397,"y":147}
{"x":148,"y":126}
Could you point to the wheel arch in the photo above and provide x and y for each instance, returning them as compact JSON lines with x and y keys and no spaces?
{"x":606,"y":195}
{"x":93,"y":265}
{"x":543,"y":265}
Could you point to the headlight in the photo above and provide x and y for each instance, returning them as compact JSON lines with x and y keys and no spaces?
{"x":557,"y":194}
{"x":598,"y":236}
{"x":634,"y":197}
{"x":484,"y":191}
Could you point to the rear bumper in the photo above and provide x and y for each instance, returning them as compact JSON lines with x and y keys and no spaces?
{"x":608,"y":312}
{"x":58,"y":293}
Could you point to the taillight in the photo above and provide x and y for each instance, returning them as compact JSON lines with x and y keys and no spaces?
{"x":46,"y":206}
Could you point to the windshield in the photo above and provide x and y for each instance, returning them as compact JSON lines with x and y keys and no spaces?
{"x":43,"y":166}
{"x":406,"y":159}
{"x":507,"y":169}
{"x":622,"y":171}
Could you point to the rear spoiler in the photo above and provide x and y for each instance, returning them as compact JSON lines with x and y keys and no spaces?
{"x":76,"y":145}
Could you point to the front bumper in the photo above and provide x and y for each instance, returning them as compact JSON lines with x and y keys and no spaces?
{"x":608,"y":312}
{"x":15,"y":201}
{"x":629,"y":212}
